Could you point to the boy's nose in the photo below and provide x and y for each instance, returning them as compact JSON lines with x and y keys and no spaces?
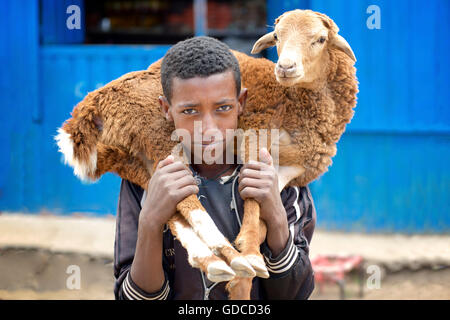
{"x":208,"y":124}
{"x":210,"y":129}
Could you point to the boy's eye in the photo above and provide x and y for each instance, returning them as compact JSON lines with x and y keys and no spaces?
{"x":224,"y":108}
{"x":189,"y":111}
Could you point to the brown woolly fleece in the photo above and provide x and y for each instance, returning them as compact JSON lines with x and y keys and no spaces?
{"x":121,"y":127}
{"x":124,"y":123}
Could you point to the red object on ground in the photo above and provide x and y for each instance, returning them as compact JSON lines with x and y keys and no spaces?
{"x":333,"y":268}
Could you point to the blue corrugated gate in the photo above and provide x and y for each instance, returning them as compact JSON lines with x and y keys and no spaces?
{"x":68,"y":74}
{"x":390,"y":173}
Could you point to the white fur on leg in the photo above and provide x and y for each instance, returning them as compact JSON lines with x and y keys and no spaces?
{"x":205,"y":227}
{"x":190,"y":241}
{"x":216,"y":271}
{"x":81,"y":169}
{"x":207,"y":230}
{"x":287,"y":173}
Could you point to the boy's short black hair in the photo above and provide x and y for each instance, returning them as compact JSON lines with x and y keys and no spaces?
{"x":198,"y":57}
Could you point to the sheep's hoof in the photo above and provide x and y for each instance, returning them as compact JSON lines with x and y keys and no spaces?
{"x":219,"y":271}
{"x":242,"y":267}
{"x":258,"y":265}
{"x":239,"y":243}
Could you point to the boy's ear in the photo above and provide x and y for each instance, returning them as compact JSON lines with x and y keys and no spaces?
{"x":165,"y":108}
{"x":242,"y":100}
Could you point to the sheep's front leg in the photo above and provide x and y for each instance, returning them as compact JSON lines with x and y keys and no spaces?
{"x":199,"y":254}
{"x":240,"y":288}
{"x":251,"y":236}
{"x":202,"y":224}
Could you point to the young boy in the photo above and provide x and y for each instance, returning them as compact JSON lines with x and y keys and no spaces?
{"x":201,"y":82}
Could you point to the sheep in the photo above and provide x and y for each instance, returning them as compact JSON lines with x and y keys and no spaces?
{"x":315,"y":85}
{"x":313,"y":82}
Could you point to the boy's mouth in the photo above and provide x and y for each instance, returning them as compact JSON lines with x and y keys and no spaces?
{"x":206,"y":144}
{"x":209,"y":144}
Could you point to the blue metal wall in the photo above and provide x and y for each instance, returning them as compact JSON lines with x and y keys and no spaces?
{"x":390,"y":173}
{"x":68,"y":73}
{"x":19,"y":48}
{"x":39,"y":86}
{"x":34,"y":177}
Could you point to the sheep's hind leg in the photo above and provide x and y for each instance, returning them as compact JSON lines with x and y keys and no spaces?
{"x":239,"y":288}
{"x":199,"y":255}
{"x":202,"y":224}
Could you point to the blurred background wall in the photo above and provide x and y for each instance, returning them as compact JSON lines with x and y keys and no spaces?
{"x":391,"y":171}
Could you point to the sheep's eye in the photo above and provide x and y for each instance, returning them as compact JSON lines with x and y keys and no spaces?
{"x":275,"y":37}
{"x":321,"y":40}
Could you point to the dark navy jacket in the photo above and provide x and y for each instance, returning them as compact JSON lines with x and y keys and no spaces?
{"x":291,"y":274}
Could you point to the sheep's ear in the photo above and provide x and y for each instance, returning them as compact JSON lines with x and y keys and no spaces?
{"x":328,"y":22}
{"x":279,"y":18}
{"x":340,"y":43}
{"x":266,"y":41}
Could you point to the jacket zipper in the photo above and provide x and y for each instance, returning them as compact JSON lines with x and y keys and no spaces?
{"x":206,"y":290}
{"x":234,"y":201}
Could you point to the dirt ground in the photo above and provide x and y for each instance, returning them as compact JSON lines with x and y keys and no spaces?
{"x":425,"y":284}
{"x":41,"y":274}
{"x":37,"y":253}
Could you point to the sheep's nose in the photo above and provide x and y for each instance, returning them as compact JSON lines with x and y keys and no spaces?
{"x":286,"y":68}
{"x":287,"y":64}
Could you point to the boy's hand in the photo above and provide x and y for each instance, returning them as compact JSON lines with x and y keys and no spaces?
{"x":170,"y":183}
{"x":259,"y":180}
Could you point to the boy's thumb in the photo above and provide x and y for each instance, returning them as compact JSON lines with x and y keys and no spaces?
{"x":265,"y":156}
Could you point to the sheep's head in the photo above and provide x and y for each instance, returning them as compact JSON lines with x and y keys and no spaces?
{"x":302,"y":38}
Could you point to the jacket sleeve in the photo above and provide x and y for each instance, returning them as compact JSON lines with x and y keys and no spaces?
{"x":128,"y":209}
{"x":291,"y":273}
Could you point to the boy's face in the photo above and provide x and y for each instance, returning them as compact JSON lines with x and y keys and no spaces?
{"x":205,"y":107}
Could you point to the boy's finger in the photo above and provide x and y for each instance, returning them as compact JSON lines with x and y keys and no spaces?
{"x":249,"y":192}
{"x":165,"y":162}
{"x":175,"y":166}
{"x":251,"y":182}
{"x":255,"y":165}
{"x":250,"y":173}
{"x":181,"y":182}
{"x":176,"y":175}
{"x":187,"y":190}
